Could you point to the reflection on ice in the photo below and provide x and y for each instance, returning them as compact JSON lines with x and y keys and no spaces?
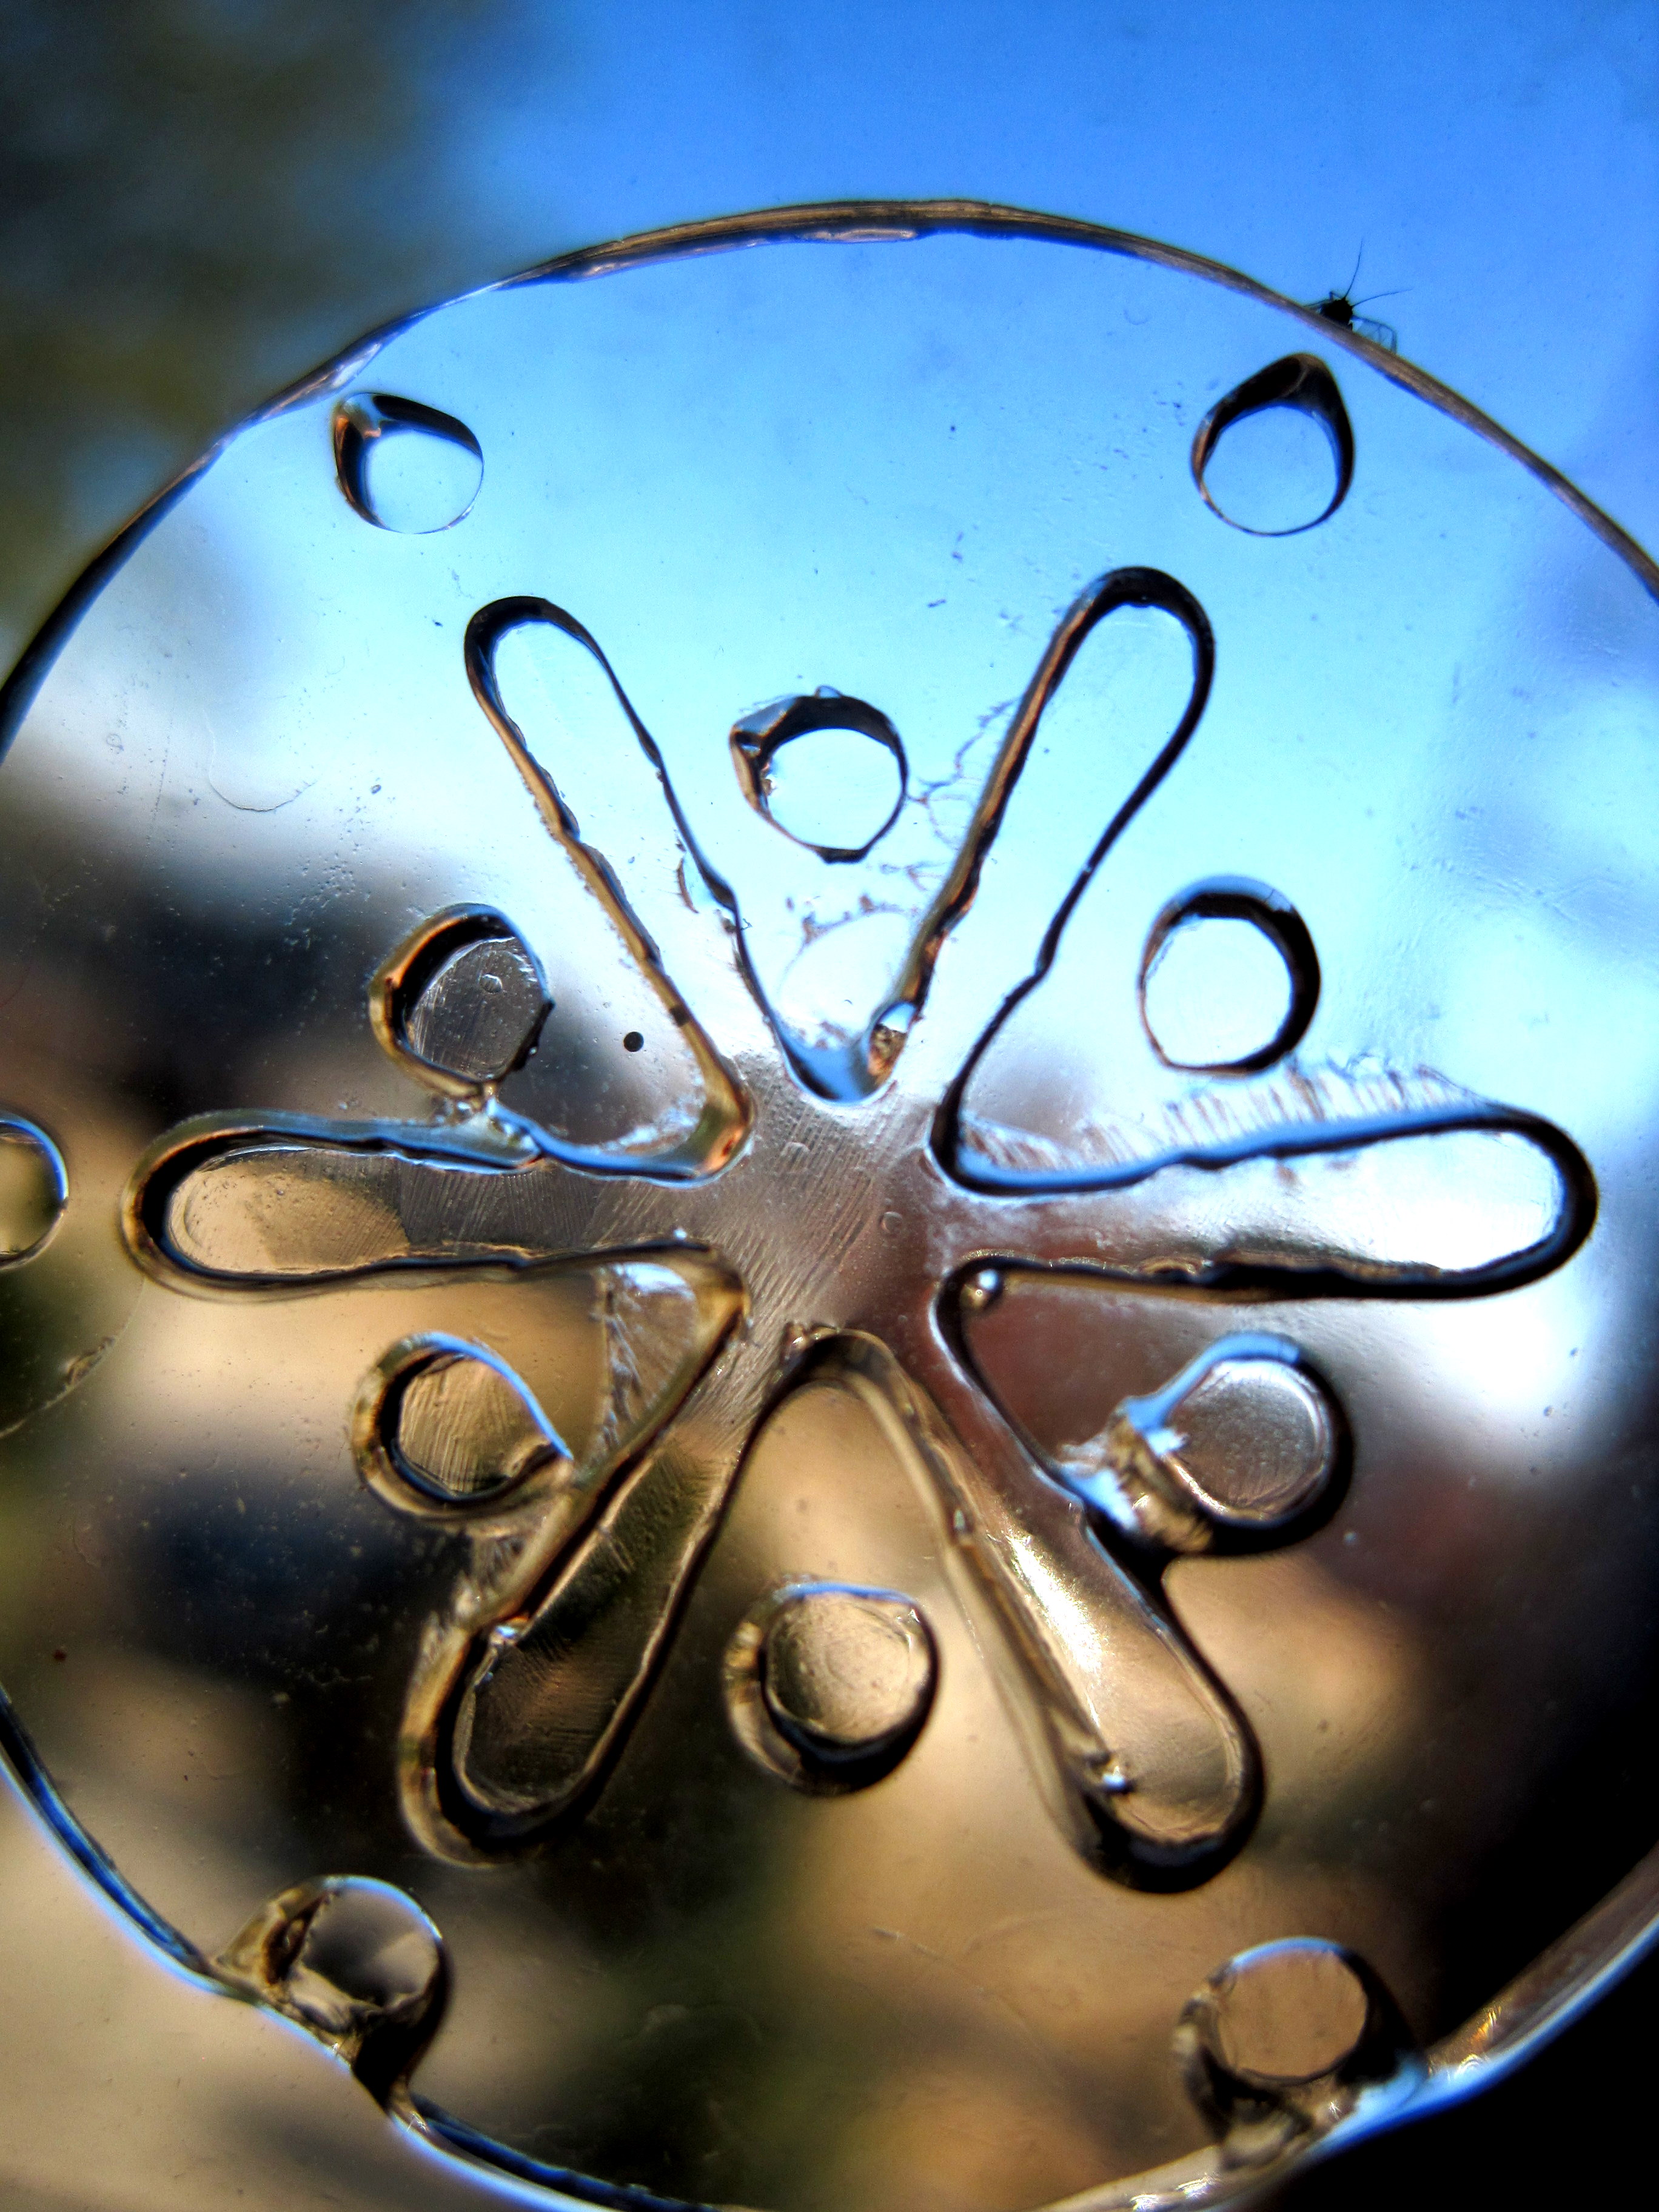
{"x":1417,"y":1208}
{"x":403,"y":465}
{"x":555,"y":1293}
{"x":1243,"y":1443}
{"x":33,"y":1189}
{"x":458,"y":1425}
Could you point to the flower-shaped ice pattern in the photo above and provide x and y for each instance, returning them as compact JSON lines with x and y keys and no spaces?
{"x":842,"y":1211}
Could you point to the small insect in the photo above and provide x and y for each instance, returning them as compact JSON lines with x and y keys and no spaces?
{"x":1340,"y":308}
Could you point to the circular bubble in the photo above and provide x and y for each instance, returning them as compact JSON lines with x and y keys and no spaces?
{"x":477,"y":1014}
{"x":1289,"y":2012}
{"x":442,"y":1428}
{"x":834,"y":790}
{"x":829,"y":771}
{"x":461,"y":1001}
{"x":33,"y":1189}
{"x":829,"y":1684}
{"x":1228,"y":979}
{"x":1260,"y":1443}
{"x":843,"y":1671}
{"x":1286,"y":2036}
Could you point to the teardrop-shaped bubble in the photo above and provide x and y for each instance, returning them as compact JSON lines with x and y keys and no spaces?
{"x":1253,"y":1440}
{"x":33,"y":1189}
{"x":442,"y":1428}
{"x":1275,"y":456}
{"x":464,"y":1429}
{"x":403,"y":465}
{"x":1245,"y":1440}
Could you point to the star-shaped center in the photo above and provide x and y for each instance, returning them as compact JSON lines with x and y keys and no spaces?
{"x":830,"y":1210}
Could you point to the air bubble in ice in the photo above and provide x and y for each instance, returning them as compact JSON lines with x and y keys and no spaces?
{"x":442,"y":1424}
{"x":829,"y":771}
{"x":403,"y":465}
{"x":464,"y":1429}
{"x":1245,"y":1440}
{"x":1285,"y":2038}
{"x":1276,"y":455}
{"x":33,"y":1189}
{"x":1219,"y":993}
{"x":829,"y":1684}
{"x":463,"y":998}
{"x":1286,"y":2013}
{"x":478,"y":1015}
{"x":355,"y":1961}
{"x":1253,"y":1438}
{"x":1228,"y":979}
{"x":835,"y":790}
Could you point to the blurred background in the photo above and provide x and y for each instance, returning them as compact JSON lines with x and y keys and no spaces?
{"x":199,"y":199}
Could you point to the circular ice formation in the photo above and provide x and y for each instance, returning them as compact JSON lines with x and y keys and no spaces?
{"x":834,"y":790}
{"x":893,"y":464}
{"x":829,"y":1684}
{"x":827,"y":770}
{"x":33,"y":1189}
{"x":1228,"y":979}
{"x":1276,"y":455}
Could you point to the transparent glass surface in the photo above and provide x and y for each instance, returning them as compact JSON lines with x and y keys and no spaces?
{"x":606,"y":1356}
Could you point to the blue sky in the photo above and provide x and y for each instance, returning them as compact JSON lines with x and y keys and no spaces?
{"x":1499,"y":162}
{"x":199,"y":199}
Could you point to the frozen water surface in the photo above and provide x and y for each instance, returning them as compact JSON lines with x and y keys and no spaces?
{"x":847,"y":1052}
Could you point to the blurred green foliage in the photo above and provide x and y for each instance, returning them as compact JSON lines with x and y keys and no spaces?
{"x":199,"y":200}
